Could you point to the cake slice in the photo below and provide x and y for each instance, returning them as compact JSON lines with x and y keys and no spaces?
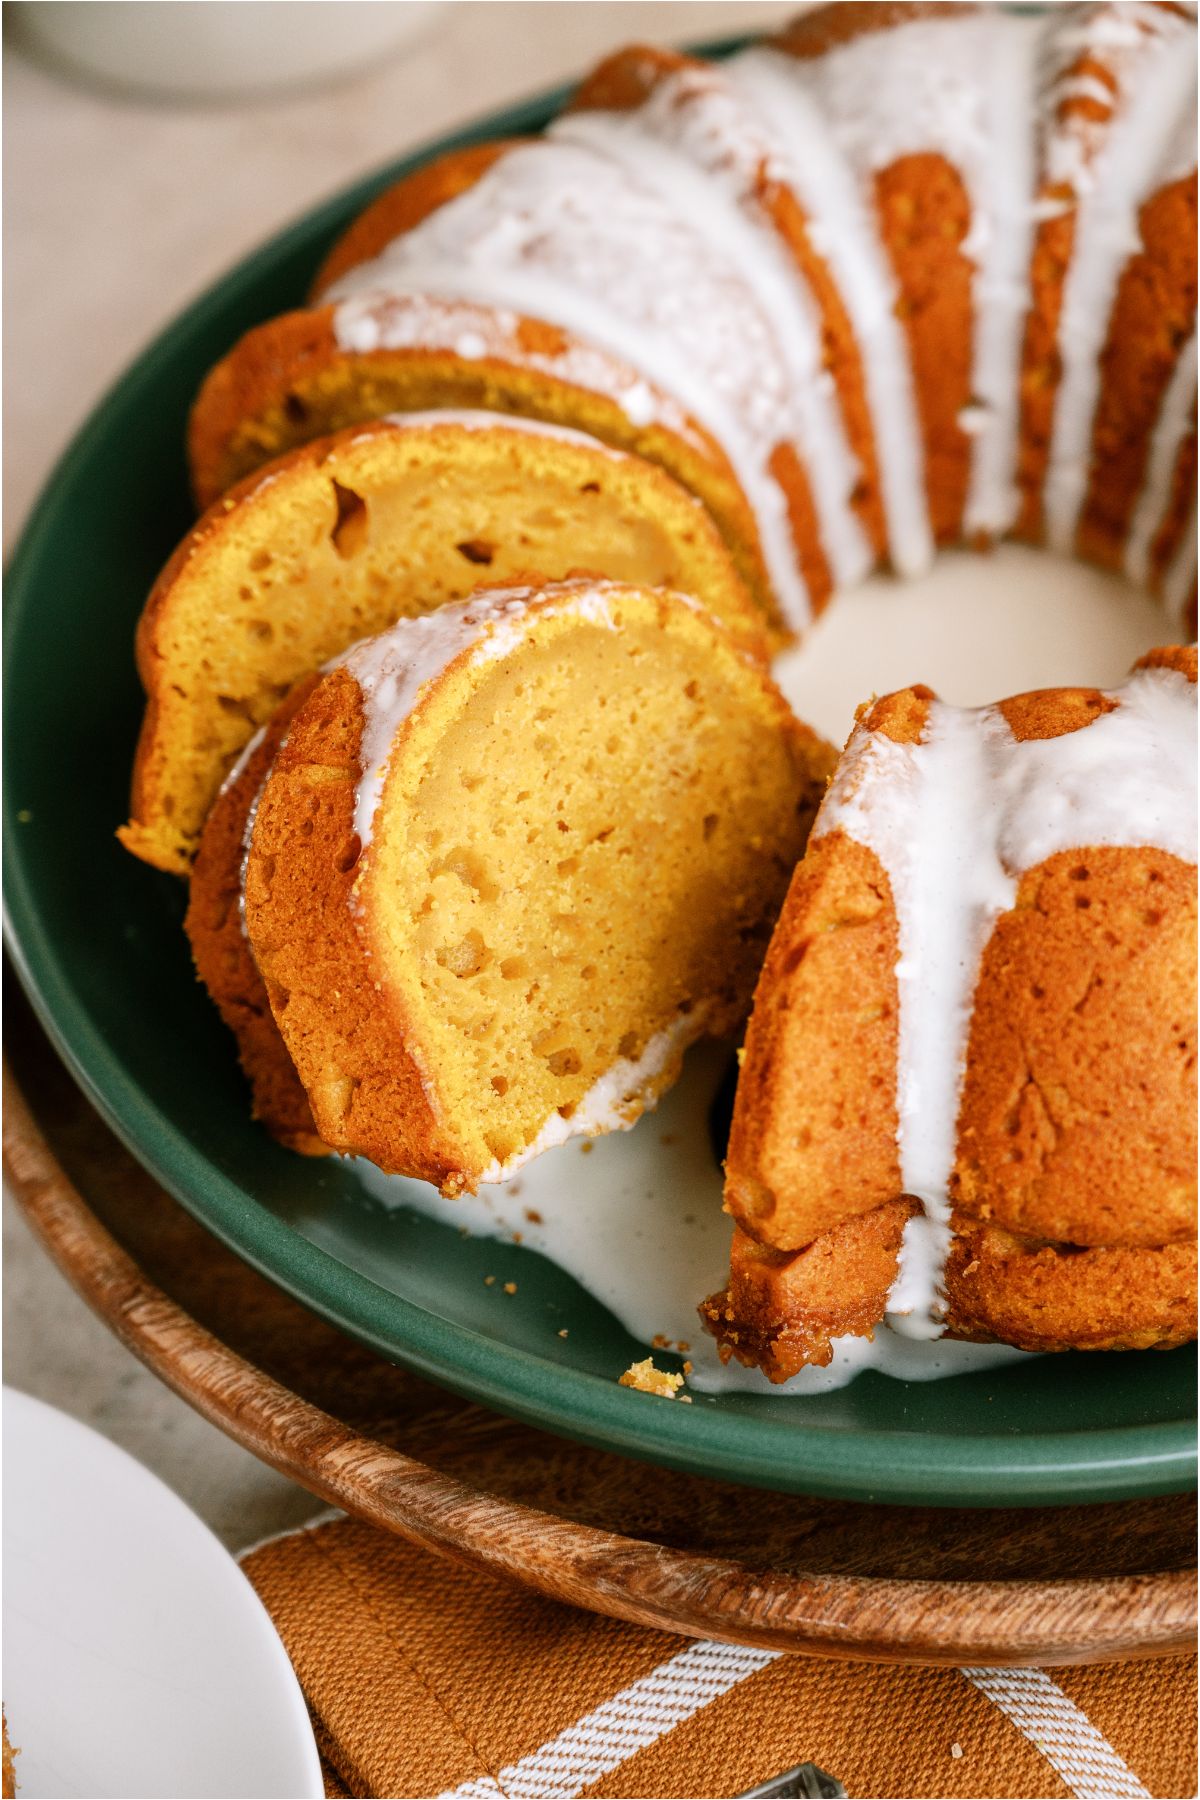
{"x":347,"y":535}
{"x":510,"y":860}
{"x":969,"y":1084}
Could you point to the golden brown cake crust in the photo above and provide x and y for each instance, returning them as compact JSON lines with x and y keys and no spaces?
{"x":1074,"y":1184}
{"x":807,"y":1152}
{"x":301,"y":923}
{"x":782,"y":1310}
{"x":1053,"y":1297}
{"x":1078,"y":1115}
{"x":814,"y":33}
{"x":1153,"y":315}
{"x":8,"y":1783}
{"x":224,"y":961}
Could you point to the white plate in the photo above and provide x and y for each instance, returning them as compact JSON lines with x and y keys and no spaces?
{"x":138,"y":1660}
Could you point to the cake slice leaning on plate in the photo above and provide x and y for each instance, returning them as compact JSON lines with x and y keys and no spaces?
{"x":510,"y":859}
{"x":968,"y":1101}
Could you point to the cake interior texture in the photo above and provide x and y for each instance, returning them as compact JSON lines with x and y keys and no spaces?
{"x":591,"y":859}
{"x":571,"y":869}
{"x":389,"y":521}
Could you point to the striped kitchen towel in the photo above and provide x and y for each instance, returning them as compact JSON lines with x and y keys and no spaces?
{"x":426,"y":1679}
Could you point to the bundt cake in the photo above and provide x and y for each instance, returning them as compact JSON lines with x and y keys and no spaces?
{"x":509,"y":859}
{"x":341,"y":538}
{"x":902,"y":275}
{"x":725,"y":338}
{"x":968,"y":1096}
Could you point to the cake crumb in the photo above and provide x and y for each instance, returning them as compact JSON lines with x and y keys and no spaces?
{"x":648,"y":1380}
{"x":956,"y":1749}
{"x":563,"y":1332}
{"x":533,"y":1216}
{"x":687,"y":1367}
{"x":586,"y":1146}
{"x":489,"y":1281}
{"x":510,"y":1287}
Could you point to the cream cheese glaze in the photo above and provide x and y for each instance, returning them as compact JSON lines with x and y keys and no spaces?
{"x":642,"y":234}
{"x":555,"y":231}
{"x":955,"y":820}
{"x":1148,"y":142}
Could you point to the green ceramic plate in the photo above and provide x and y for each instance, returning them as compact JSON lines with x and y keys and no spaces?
{"x":98,"y":943}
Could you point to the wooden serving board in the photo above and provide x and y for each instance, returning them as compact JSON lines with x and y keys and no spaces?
{"x":831,"y":1578}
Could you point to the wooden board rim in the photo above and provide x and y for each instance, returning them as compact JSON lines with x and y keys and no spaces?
{"x":1025,"y":1622}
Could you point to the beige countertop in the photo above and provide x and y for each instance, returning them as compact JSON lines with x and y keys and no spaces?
{"x":118,"y":212}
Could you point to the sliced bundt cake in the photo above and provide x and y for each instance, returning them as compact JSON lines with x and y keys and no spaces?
{"x":510,"y":859}
{"x":900,"y":275}
{"x":969,"y":1084}
{"x":345,"y":536}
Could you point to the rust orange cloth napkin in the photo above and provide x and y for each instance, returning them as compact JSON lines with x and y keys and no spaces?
{"x":425,"y":1679}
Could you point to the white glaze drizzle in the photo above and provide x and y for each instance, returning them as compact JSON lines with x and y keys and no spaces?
{"x":418,"y":321}
{"x":1113,"y":167}
{"x":559,"y":233}
{"x":961,"y":87}
{"x":955,"y":820}
{"x":1176,"y":417}
{"x":842,"y":228}
{"x":693,"y":141}
{"x":238,"y":767}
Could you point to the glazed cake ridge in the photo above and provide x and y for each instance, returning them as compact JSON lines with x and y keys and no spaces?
{"x":955,"y":820}
{"x":563,"y":234}
{"x":551,"y":224}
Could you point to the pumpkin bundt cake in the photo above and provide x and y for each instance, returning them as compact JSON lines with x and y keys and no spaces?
{"x":902,"y":275}
{"x":968,"y":1099}
{"x":510,"y":858}
{"x":725,"y":338}
{"x":341,"y":538}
